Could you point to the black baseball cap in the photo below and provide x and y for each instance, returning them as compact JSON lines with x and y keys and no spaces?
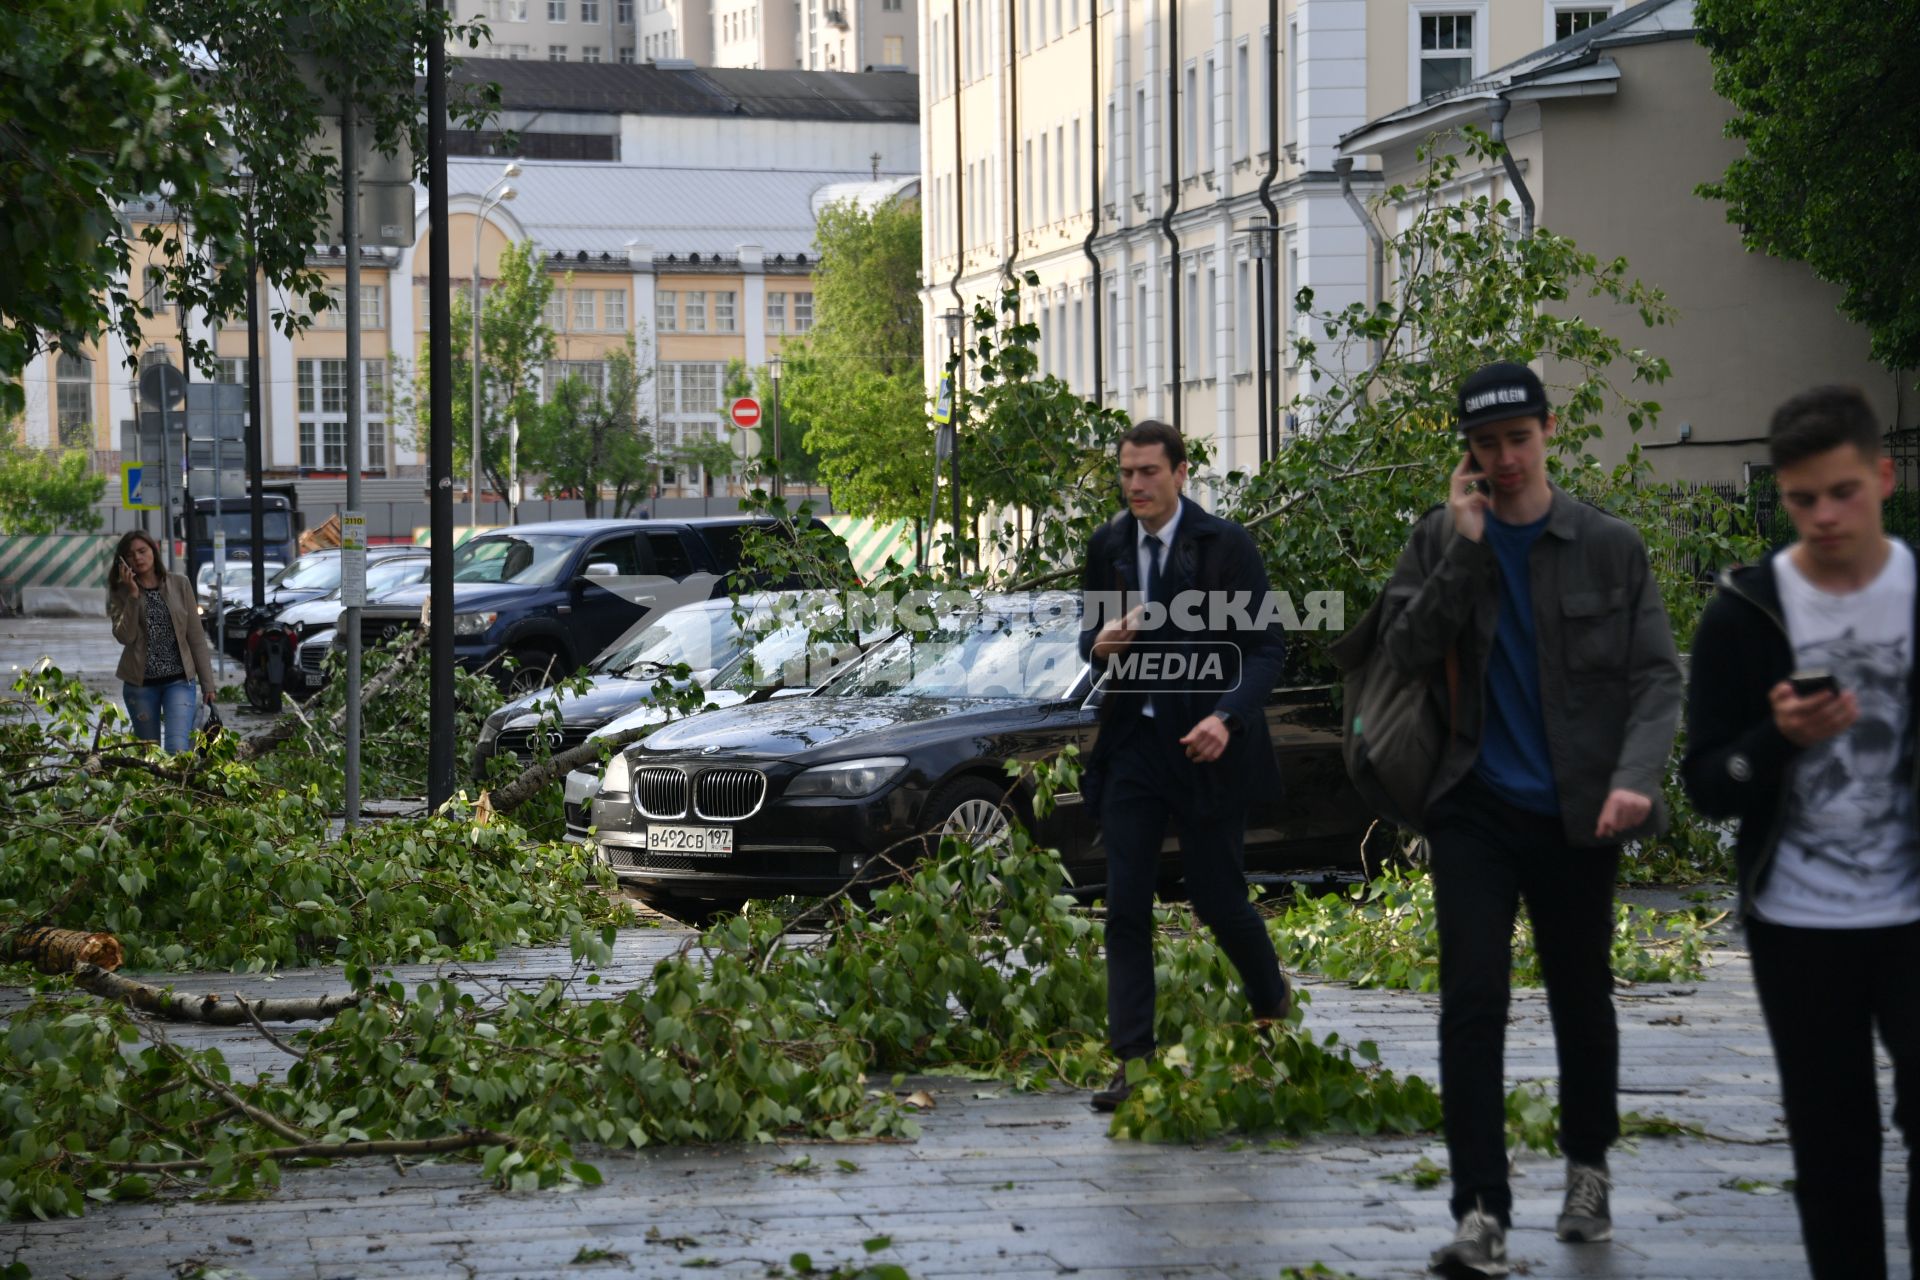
{"x":1497,"y":392}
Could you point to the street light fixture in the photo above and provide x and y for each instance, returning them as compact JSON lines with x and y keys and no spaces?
{"x":501,"y":190}
{"x":773,"y":375}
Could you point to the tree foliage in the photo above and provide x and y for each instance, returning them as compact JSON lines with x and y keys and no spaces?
{"x":857,"y":380}
{"x":585,"y":438}
{"x":1828,"y":108}
{"x":200,"y":106}
{"x":47,"y":490}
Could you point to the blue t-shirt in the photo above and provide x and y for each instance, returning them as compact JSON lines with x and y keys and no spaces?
{"x":1514,"y":759}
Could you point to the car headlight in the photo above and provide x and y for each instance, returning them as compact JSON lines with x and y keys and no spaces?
{"x":472,"y":624}
{"x":848,"y":778}
{"x":619,"y":774}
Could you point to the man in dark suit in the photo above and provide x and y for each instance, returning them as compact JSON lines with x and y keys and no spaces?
{"x":1173,"y":595}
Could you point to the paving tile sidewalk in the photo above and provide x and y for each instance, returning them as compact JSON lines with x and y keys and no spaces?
{"x":1012,"y":1185}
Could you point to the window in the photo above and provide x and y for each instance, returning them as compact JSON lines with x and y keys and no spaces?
{"x":696,"y":312}
{"x":1190,"y":135}
{"x":1208,"y":82}
{"x":374,"y":393}
{"x":1242,"y":100}
{"x":890,"y":6}
{"x":613,"y":312}
{"x":591,"y":372}
{"x":514,"y":52}
{"x":589,"y":10}
{"x":776,"y":312}
{"x":373,"y":311}
{"x":1242,"y":316}
{"x":1077,"y":204}
{"x":1033,"y":180}
{"x":723,"y":311}
{"x":690,"y":389}
{"x":893,"y":50}
{"x":231,"y":370}
{"x":1139,"y":140}
{"x":155,"y":297}
{"x":1446,"y":52}
{"x":74,"y":401}
{"x":802,"y":312}
{"x":516,"y":10}
{"x":1196,"y":329}
{"x":666,"y":311}
{"x":556,"y":10}
{"x":1059,"y":201}
{"x":1079,"y":322}
{"x":623,"y":12}
{"x":583,"y":310}
{"x":557,"y":310}
{"x":1113,"y":337}
{"x":1140,"y":335}
{"x":1295,"y":95}
{"x":321,"y":397}
{"x":589,"y":53}
{"x":335,"y":316}
{"x":1040,"y":176}
{"x":1571,"y":22}
{"x":556,"y":53}
{"x":1209,"y":327}
{"x":626,"y":55}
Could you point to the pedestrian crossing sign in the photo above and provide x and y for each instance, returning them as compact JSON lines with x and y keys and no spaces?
{"x":943,"y":404}
{"x":133,"y":494}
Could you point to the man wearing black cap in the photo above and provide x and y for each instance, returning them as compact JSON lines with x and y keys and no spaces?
{"x":1538,"y":623}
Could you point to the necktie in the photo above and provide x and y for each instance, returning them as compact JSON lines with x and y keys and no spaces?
{"x":1154,"y":548}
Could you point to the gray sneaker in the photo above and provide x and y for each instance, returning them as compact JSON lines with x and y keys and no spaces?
{"x":1586,"y":1217}
{"x":1479,"y":1248}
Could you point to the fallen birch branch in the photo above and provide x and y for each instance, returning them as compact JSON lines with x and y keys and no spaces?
{"x":210,"y":1008}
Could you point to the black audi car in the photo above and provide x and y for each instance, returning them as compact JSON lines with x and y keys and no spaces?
{"x":795,"y":796}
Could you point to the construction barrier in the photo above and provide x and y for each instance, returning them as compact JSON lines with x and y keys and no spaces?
{"x":61,"y":572}
{"x":871,"y":542}
{"x":423,"y":536}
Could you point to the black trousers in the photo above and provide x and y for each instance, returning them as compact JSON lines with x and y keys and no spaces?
{"x":1823,"y":992}
{"x":1150,"y":783}
{"x":1487,"y":855}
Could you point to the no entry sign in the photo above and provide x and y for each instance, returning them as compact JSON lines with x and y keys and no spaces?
{"x":745,"y":412}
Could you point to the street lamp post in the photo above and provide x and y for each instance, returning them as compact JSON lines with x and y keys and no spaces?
{"x":502,"y":189}
{"x":779,"y":486}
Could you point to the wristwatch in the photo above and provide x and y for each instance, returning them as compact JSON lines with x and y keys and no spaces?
{"x":1228,"y":719}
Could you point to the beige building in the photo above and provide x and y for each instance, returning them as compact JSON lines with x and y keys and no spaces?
{"x":1120,"y":149}
{"x":1612,"y":131}
{"x":768,"y":35}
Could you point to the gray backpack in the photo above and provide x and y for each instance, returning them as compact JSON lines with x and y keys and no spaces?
{"x":1392,"y":736}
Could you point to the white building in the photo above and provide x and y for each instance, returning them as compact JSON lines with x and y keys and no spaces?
{"x":769,"y":35}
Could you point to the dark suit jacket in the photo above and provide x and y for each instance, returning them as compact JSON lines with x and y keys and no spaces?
{"x":1216,"y":557}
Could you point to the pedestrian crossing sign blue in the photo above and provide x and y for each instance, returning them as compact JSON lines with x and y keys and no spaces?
{"x":943,"y":404}
{"x":133,"y":492}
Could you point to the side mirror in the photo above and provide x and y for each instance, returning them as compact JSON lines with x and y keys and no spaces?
{"x":602,"y":569}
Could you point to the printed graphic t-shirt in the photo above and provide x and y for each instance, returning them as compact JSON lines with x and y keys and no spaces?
{"x":1849,"y":852}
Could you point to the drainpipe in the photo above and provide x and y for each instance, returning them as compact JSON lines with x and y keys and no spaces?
{"x":1497,"y":113}
{"x":1344,"y":167}
{"x":959,"y":173}
{"x":1173,"y":203}
{"x":1098,"y":295}
{"x":1013,"y":149}
{"x":1267,"y":331}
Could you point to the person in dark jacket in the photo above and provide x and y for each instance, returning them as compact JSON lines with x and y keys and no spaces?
{"x":1800,"y":723}
{"x":1183,"y":733}
{"x":165,"y":669}
{"x":1563,"y":701}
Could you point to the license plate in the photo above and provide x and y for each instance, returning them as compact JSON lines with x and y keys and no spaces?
{"x":695,"y":841}
{"x":315,"y":679}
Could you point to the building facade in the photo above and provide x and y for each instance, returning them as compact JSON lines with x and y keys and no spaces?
{"x":1123,"y":149}
{"x":769,"y":35}
{"x":698,"y":254}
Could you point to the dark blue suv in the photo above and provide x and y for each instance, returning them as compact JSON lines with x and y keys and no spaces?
{"x":551,"y":596}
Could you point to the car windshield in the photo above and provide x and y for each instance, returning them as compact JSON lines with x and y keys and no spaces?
{"x":783,"y":657}
{"x":384,"y":575}
{"x":312,"y":573}
{"x":536,"y":559}
{"x":703,"y":636}
{"x":1020,"y":656}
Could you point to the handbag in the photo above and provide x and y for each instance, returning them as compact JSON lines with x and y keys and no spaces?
{"x":210,"y":728}
{"x":1393,"y":737}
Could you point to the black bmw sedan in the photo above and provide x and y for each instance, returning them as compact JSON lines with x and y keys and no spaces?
{"x":795,"y":796}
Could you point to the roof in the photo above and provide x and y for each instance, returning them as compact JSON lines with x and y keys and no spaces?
{"x":867,"y":195}
{"x":1574,"y":67}
{"x":644,"y":89}
{"x":575,"y":207}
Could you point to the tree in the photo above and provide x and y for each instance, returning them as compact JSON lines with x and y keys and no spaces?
{"x":104,"y":102}
{"x":796,"y":463}
{"x":1829,"y":109}
{"x":586,"y":438}
{"x":857,"y":380}
{"x":44,"y":490}
{"x":515,"y":344}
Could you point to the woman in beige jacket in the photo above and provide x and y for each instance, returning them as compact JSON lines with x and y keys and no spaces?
{"x":165,"y":668}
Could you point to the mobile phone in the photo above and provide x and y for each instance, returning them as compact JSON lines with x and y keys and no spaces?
{"x":1473,"y":466}
{"x":1807,"y":683}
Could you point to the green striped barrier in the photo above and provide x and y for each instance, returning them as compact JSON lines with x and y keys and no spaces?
{"x":872,"y":542}
{"x":423,"y":536}
{"x":54,"y":560}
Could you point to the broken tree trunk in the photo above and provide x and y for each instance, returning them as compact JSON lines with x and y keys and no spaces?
{"x":210,"y":1008}
{"x":529,"y":784}
{"x":52,"y":950}
{"x":256,"y":745}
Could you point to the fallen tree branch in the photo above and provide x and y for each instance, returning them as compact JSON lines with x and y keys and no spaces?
{"x":530,"y":783}
{"x":323,"y":1150}
{"x":265,"y":1119}
{"x":258,"y":744}
{"x":52,"y":950}
{"x":209,"y":1008}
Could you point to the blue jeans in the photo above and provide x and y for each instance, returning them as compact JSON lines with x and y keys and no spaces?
{"x":176,"y":704}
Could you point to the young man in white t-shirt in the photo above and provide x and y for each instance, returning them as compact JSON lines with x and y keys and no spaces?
{"x":1800,"y":723}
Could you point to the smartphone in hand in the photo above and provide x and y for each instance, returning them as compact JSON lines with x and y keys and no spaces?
{"x":1478,"y":486}
{"x":1808,"y":683}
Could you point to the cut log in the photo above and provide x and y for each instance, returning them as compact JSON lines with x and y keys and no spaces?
{"x":210,"y":1008}
{"x":52,"y":950}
